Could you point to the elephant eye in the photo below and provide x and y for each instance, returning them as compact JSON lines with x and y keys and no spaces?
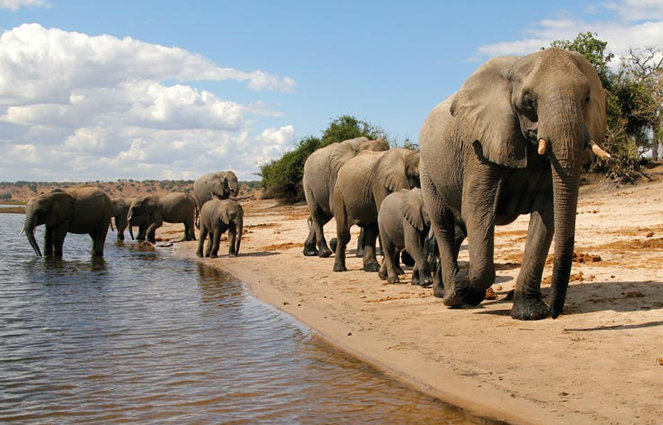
{"x":587,"y":99}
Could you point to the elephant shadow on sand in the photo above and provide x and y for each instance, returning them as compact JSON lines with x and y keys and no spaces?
{"x":592,"y":297}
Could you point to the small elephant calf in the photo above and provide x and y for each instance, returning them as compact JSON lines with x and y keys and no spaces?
{"x":404,"y":223}
{"x":217,"y":216}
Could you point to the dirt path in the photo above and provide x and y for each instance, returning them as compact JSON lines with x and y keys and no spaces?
{"x":599,"y":363}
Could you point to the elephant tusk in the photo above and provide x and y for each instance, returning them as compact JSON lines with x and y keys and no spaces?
{"x":22,"y":231}
{"x":543,"y":146}
{"x":598,"y":151}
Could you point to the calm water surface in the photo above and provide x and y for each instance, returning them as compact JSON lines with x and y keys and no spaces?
{"x":144,"y":338}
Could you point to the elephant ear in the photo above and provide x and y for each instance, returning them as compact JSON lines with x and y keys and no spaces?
{"x":62,"y":208}
{"x":412,"y":208}
{"x":392,"y":171}
{"x":484,"y":113}
{"x":340,"y":154}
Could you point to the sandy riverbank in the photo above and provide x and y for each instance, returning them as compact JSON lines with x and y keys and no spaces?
{"x":598,"y":363}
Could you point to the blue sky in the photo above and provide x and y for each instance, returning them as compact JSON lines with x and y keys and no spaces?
{"x":102,"y":90}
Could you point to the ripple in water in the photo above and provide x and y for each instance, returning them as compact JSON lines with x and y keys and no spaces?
{"x":141,"y":337}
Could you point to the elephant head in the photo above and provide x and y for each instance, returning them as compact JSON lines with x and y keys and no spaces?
{"x":144,"y":206}
{"x":552,"y":102}
{"x":230,"y":183}
{"x":54,"y":208}
{"x":398,"y":169}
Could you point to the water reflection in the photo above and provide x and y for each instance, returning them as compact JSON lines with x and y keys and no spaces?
{"x":140,"y":337}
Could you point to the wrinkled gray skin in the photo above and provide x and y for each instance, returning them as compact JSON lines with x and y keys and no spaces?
{"x":120,"y":210}
{"x":404,"y":223}
{"x":361,"y":186}
{"x":320,"y":171}
{"x":175,"y":207}
{"x":480,"y":168}
{"x":217,"y":216}
{"x":78,"y":210}
{"x":222,"y":185}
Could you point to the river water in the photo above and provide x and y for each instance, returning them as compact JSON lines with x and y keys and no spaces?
{"x":141,"y":337}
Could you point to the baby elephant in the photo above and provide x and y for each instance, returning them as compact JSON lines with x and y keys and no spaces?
{"x":404,"y":224}
{"x":217,"y":216}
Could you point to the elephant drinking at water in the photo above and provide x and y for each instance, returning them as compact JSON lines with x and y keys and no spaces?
{"x":511,"y":142}
{"x":175,"y":207}
{"x":78,"y":210}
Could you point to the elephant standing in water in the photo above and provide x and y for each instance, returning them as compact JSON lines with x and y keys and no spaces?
{"x":78,"y":210}
{"x":222,"y":185}
{"x":361,"y":186}
{"x":217,"y":216}
{"x":120,"y":210}
{"x":320,"y":171}
{"x":404,"y":224}
{"x":175,"y":207}
{"x":511,"y":142}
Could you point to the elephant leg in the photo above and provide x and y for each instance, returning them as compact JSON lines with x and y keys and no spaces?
{"x":210,"y":242}
{"x":201,"y":241}
{"x":315,"y":243}
{"x":527,"y":302}
{"x":142,"y":232}
{"x":216,"y":240}
{"x":188,"y":232}
{"x":310,"y":248}
{"x":480,"y":195}
{"x":342,"y":239}
{"x":98,"y":241}
{"x":414,"y":244}
{"x":58,"y":241}
{"x":360,"y":243}
{"x":370,"y":235}
{"x":390,"y":253}
{"x":48,"y":241}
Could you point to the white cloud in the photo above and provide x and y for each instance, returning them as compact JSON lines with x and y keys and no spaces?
{"x":629,"y":24}
{"x":81,"y":107}
{"x":17,"y":4}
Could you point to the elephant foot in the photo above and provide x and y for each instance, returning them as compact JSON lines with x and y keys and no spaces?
{"x":310,"y":250}
{"x":199,"y":254}
{"x":324,"y":252}
{"x":393,"y":279}
{"x":438,"y":290}
{"x":399,"y":271}
{"x":333,"y":243}
{"x":382,"y":274}
{"x":529,"y":308}
{"x":426,"y":282}
{"x":471,"y":295}
{"x":340,"y":268}
{"x":232,"y":254}
{"x":359,"y":253}
{"x":213,"y":256}
{"x":372,"y":267}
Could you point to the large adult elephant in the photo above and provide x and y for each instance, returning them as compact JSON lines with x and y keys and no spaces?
{"x":174,"y":207}
{"x":361,"y":186}
{"x":320,"y":171}
{"x":77,"y":210}
{"x":120,"y":210}
{"x":511,"y":141}
{"x":221,"y":184}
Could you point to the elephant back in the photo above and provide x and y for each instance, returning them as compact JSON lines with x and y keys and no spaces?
{"x":92,"y":209}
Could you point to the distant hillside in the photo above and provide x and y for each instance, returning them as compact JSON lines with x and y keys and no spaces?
{"x":21,"y":191}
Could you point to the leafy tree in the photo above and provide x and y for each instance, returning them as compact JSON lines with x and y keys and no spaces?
{"x":348,"y":127}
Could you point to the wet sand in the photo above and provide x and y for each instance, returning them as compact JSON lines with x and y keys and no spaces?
{"x":601,"y":362}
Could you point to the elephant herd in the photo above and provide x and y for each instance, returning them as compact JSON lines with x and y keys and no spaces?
{"x":89,"y":210}
{"x":511,"y":141}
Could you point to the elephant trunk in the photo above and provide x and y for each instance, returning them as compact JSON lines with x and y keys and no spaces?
{"x":29,"y":228}
{"x":131,"y":232}
{"x":567,"y":137}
